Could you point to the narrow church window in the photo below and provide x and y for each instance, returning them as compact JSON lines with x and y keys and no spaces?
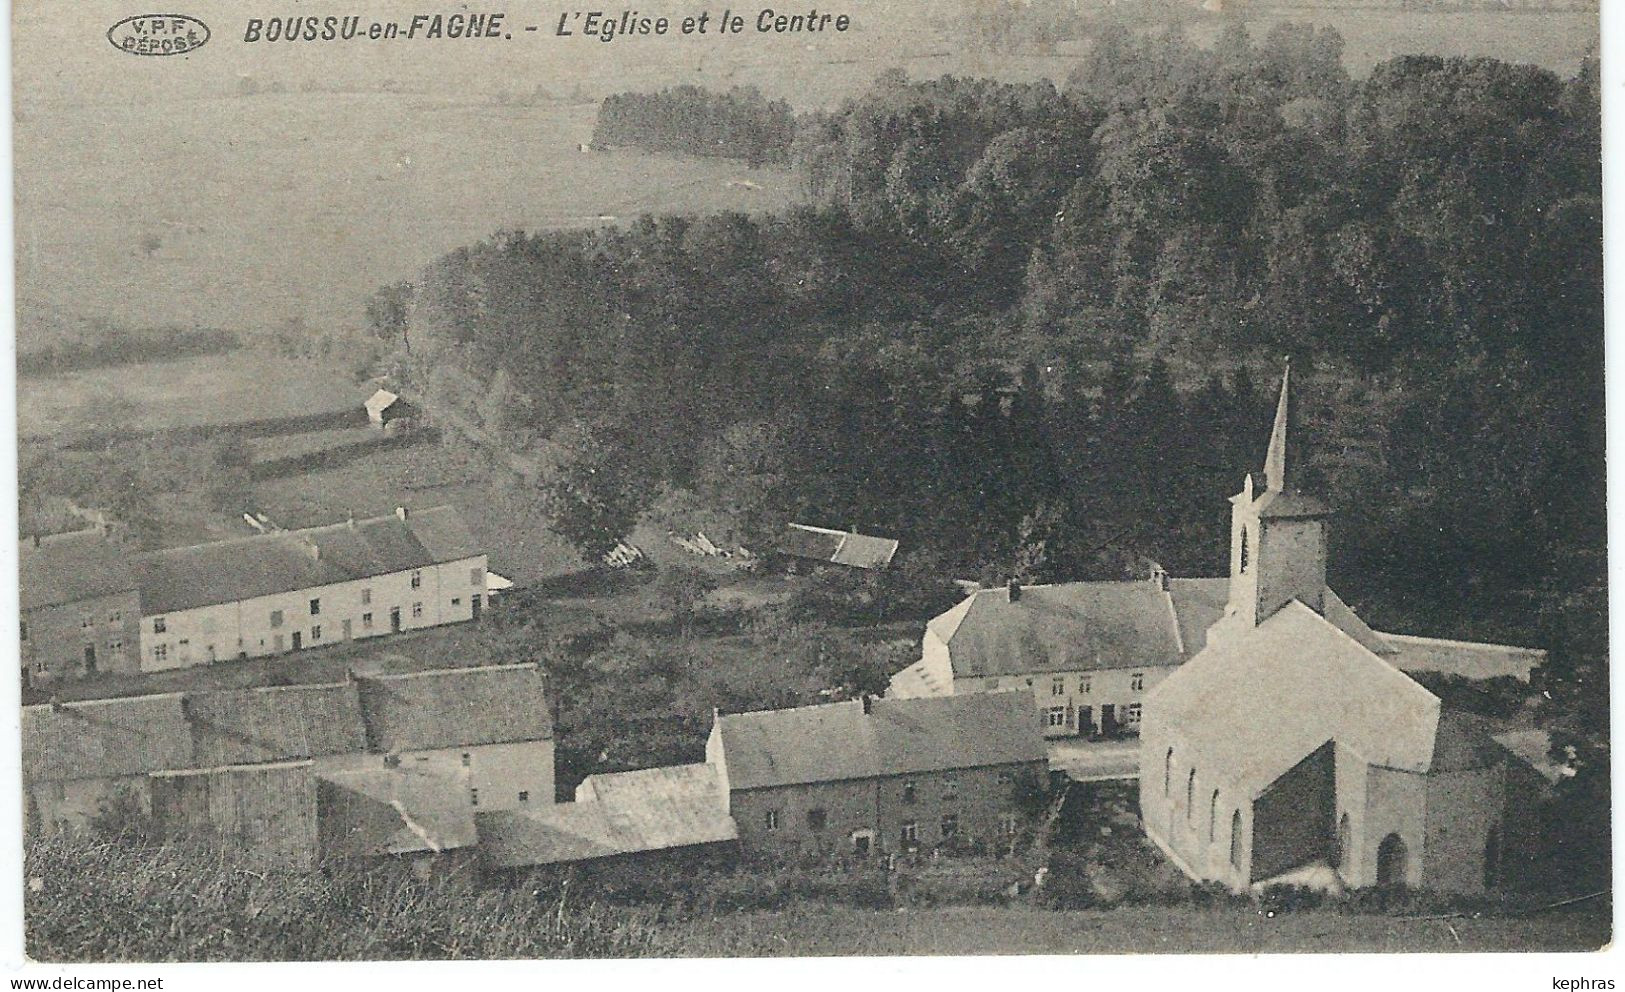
{"x":1167,"y":772}
{"x":1343,"y":858}
{"x":1244,"y":551}
{"x":1213,"y":816}
{"x":1190,"y":795}
{"x":1235,"y":839}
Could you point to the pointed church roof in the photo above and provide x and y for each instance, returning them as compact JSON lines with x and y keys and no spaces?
{"x":1281,"y":497}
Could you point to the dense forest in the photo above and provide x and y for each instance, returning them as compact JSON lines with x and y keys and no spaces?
{"x":1035,"y":331}
{"x":740,"y":123}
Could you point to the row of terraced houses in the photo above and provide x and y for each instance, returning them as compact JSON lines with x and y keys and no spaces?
{"x":88,"y":606}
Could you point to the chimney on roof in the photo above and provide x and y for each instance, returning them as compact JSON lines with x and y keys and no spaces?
{"x":1014,"y":585}
{"x":1159,"y":576}
{"x":401,"y":511}
{"x":868,"y":704}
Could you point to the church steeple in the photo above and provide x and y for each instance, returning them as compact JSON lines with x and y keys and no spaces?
{"x":1277,"y":535}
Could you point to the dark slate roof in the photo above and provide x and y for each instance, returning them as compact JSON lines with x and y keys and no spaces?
{"x":250,"y":726}
{"x":655,"y":809}
{"x":818,"y":543}
{"x":455,"y":707}
{"x":1074,"y":626}
{"x":105,"y":738}
{"x":71,"y":568}
{"x":897,"y":737}
{"x":285,"y":561}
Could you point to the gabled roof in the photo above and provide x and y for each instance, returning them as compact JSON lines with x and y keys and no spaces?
{"x":914,"y":682}
{"x":1253,"y":704}
{"x":654,"y":809}
{"x":839,"y":741}
{"x":105,"y":738}
{"x":1464,"y":658}
{"x":1079,"y":626}
{"x":838,"y":547}
{"x":277,"y":723}
{"x":380,"y":401}
{"x":286,"y":561}
{"x":455,"y":707}
{"x":71,"y":568}
{"x":377,"y":811}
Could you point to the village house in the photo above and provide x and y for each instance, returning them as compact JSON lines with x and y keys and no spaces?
{"x":373,"y":766}
{"x":384,"y":408}
{"x":1086,"y":652}
{"x":805,"y":543}
{"x":283,"y":591}
{"x":1295,"y":746}
{"x":81,"y":610}
{"x":880,"y":775}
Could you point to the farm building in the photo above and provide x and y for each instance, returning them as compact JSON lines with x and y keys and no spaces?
{"x":384,"y":408}
{"x":373,"y":766}
{"x":1294,"y":744}
{"x":880,"y":775}
{"x":836,"y":547}
{"x":283,"y":591}
{"x":81,"y":609}
{"x":656,"y":812}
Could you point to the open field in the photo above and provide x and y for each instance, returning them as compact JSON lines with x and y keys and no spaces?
{"x":817,"y":931}
{"x":205,"y":391}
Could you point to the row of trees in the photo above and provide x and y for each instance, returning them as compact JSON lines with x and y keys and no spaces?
{"x":740,"y":123}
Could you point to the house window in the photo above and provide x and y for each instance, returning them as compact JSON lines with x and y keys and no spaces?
{"x":160,"y":652}
{"x":115,"y":645}
{"x":159,"y":626}
{"x":276,"y":618}
{"x":524,"y":796}
{"x":771,"y":819}
{"x":316,"y":632}
{"x":911,"y":834}
{"x":1009,"y":823}
{"x":40,"y":668}
{"x":116,"y":617}
{"x":1133,"y":717}
{"x":1136,"y":681}
{"x":474,"y":797}
{"x":476,"y":576}
{"x":366,"y":621}
{"x":417,"y":611}
{"x":316,"y":607}
{"x":908,"y":791}
{"x":1056,"y":716}
{"x":817,"y":819}
{"x":366,"y":596}
{"x":457,"y":602}
{"x":1083,"y":687}
{"x":950,"y":825}
{"x":417,"y":580}
{"x":467,"y":759}
{"x":1058,"y":687}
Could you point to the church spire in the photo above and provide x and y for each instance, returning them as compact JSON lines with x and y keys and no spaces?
{"x":1275,"y":476}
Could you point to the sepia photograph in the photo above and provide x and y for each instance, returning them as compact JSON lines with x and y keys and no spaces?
{"x":909,"y":478}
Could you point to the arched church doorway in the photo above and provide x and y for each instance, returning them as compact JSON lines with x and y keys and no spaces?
{"x":1391,"y":861}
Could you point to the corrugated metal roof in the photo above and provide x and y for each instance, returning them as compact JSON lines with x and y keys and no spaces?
{"x":286,"y":561}
{"x":71,"y":568}
{"x":1254,"y":704}
{"x":654,"y":809}
{"x":105,"y":738}
{"x":247,"y":726}
{"x":840,"y":741}
{"x":455,"y":707}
